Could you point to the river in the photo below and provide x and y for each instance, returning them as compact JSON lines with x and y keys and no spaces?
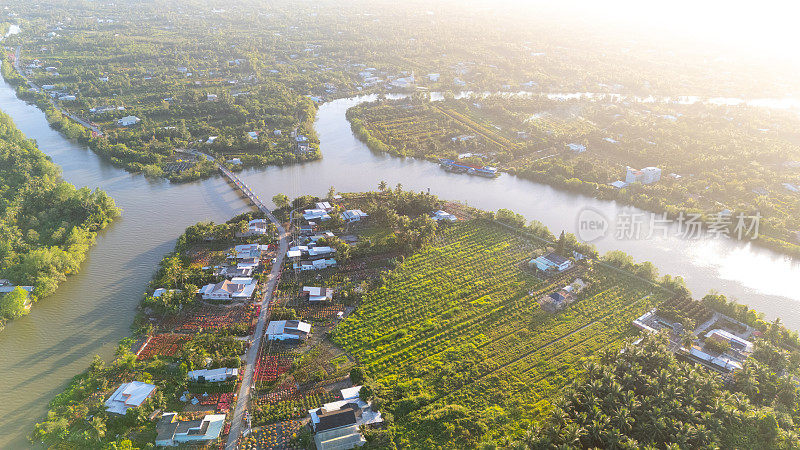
{"x":91,"y":311}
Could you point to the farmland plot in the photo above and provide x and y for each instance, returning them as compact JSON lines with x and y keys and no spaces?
{"x":458,"y":325}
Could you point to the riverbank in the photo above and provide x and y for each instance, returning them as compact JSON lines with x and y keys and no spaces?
{"x":498,"y":132}
{"x":176,"y":327}
{"x":48,"y":226}
{"x":92,"y":310}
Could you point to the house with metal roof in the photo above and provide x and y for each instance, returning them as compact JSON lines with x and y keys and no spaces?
{"x":337,"y":424}
{"x":255,"y":227}
{"x":316,"y":214}
{"x":173,"y":432}
{"x":7,"y":286}
{"x":737,"y":343}
{"x":442,"y":215}
{"x":318,"y":294}
{"x":551,"y":262}
{"x":129,"y":395}
{"x":213,"y":375}
{"x":288,"y":330}
{"x":354,"y":215}
{"x":235,"y":288}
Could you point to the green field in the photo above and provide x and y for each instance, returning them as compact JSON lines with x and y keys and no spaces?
{"x":458,"y":323}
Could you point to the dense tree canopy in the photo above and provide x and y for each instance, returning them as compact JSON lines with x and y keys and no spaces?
{"x":644,"y":397}
{"x":46,"y":224}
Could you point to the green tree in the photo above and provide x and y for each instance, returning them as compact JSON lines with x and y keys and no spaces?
{"x":357,"y":375}
{"x":281,"y":200}
{"x":12,"y":305}
{"x":97,"y":428}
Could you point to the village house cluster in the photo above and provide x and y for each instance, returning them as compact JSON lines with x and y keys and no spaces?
{"x":718,"y":342}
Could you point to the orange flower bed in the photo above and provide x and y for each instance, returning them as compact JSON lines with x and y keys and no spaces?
{"x":162,"y":345}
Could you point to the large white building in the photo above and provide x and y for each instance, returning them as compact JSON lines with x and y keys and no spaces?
{"x":648,"y":175}
{"x":288,"y":330}
{"x":737,"y":343}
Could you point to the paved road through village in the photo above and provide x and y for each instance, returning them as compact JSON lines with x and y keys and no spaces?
{"x":243,"y":398}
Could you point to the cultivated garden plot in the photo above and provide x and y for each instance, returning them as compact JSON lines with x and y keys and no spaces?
{"x":278,"y":436}
{"x":461,"y":319}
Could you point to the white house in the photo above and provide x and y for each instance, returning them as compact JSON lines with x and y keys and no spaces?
{"x":296,"y":251}
{"x":444,"y":215}
{"x":288,"y":330}
{"x":314,"y":265}
{"x":67,"y":98}
{"x":173,"y":432}
{"x":235,"y":288}
{"x":248,"y":262}
{"x":255,"y":227}
{"x":213,"y":375}
{"x":320,"y":251}
{"x":354,"y":215}
{"x":619,"y":184}
{"x":161,"y":291}
{"x":248,"y":251}
{"x":324,"y":205}
{"x":129,"y":395}
{"x":577,"y":148}
{"x":551,"y":261}
{"x":316,"y":214}
{"x":235,"y":272}
{"x":128,"y":121}
{"x":318,"y":294}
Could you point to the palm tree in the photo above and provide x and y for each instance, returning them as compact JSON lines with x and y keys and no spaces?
{"x":382,"y":186}
{"x":572,"y":434}
{"x":97,"y":428}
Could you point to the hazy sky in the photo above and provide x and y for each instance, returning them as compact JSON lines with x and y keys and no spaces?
{"x":765,"y":28}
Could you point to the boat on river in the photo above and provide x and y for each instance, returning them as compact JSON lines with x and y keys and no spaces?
{"x":470,"y":169}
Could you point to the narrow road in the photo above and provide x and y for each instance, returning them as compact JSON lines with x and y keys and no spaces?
{"x":243,"y":398}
